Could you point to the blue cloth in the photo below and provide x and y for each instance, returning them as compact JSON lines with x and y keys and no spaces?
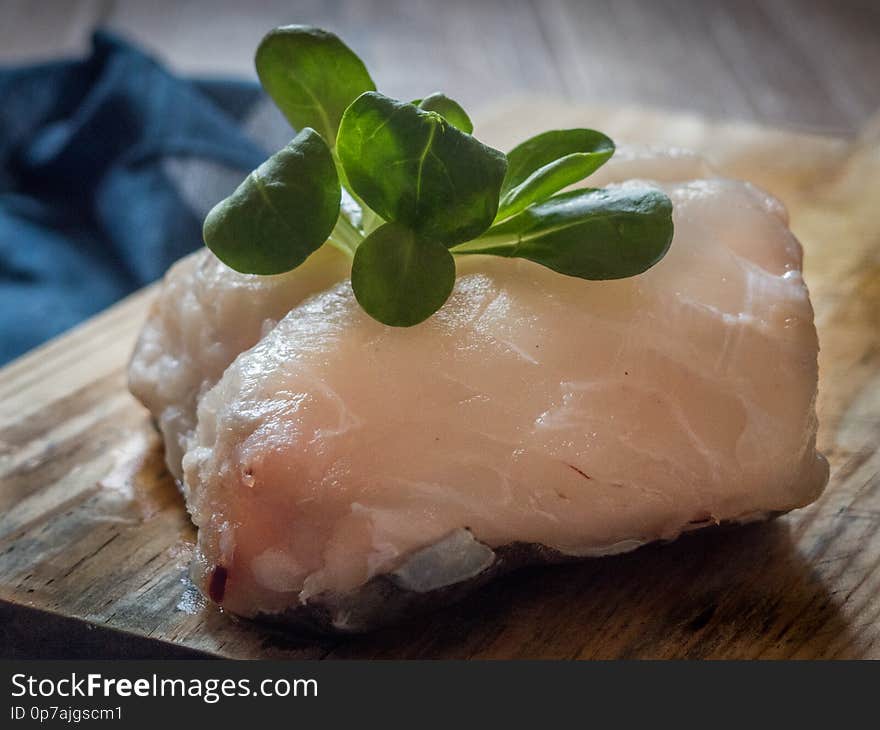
{"x":102,"y":165}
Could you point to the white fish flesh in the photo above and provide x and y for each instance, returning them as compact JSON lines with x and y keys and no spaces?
{"x":205,"y":315}
{"x":339,"y":463}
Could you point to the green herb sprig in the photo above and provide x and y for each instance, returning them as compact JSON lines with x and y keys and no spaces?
{"x":404,"y":187}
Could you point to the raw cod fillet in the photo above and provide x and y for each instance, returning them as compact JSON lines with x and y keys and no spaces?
{"x":341,"y":472}
{"x":206,"y":313}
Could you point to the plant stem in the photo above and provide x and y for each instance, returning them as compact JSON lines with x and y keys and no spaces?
{"x":369,"y":220}
{"x":345,"y":236}
{"x":486,"y":244}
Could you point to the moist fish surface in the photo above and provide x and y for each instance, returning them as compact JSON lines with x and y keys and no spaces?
{"x":206,"y":313}
{"x":204,"y":316}
{"x":581,"y":418}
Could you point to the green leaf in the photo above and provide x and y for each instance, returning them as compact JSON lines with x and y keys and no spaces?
{"x":447,"y":108}
{"x":401,"y":278}
{"x":312,"y":76}
{"x":412,"y":166}
{"x":610,"y":233}
{"x":283,"y":211}
{"x":547,"y":163}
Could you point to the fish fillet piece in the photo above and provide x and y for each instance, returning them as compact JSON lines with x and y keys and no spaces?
{"x":338,"y":456}
{"x":204,"y":315}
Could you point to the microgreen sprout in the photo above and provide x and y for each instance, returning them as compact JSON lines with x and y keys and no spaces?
{"x":404,"y":187}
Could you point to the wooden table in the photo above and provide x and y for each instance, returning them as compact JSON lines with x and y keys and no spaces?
{"x":93,"y":535}
{"x":805,"y":64}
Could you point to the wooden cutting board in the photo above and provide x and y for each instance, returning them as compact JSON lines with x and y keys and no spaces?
{"x":95,"y":541}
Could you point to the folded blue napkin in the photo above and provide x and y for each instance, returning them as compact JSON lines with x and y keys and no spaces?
{"x":107,"y":167}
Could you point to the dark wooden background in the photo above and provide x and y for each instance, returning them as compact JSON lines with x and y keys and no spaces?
{"x":803,"y":64}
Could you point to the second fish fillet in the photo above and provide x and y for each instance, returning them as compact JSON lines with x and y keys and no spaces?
{"x":585,"y":418}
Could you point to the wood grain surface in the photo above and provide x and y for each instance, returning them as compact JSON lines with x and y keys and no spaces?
{"x":93,"y":530}
{"x":802,"y":64}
